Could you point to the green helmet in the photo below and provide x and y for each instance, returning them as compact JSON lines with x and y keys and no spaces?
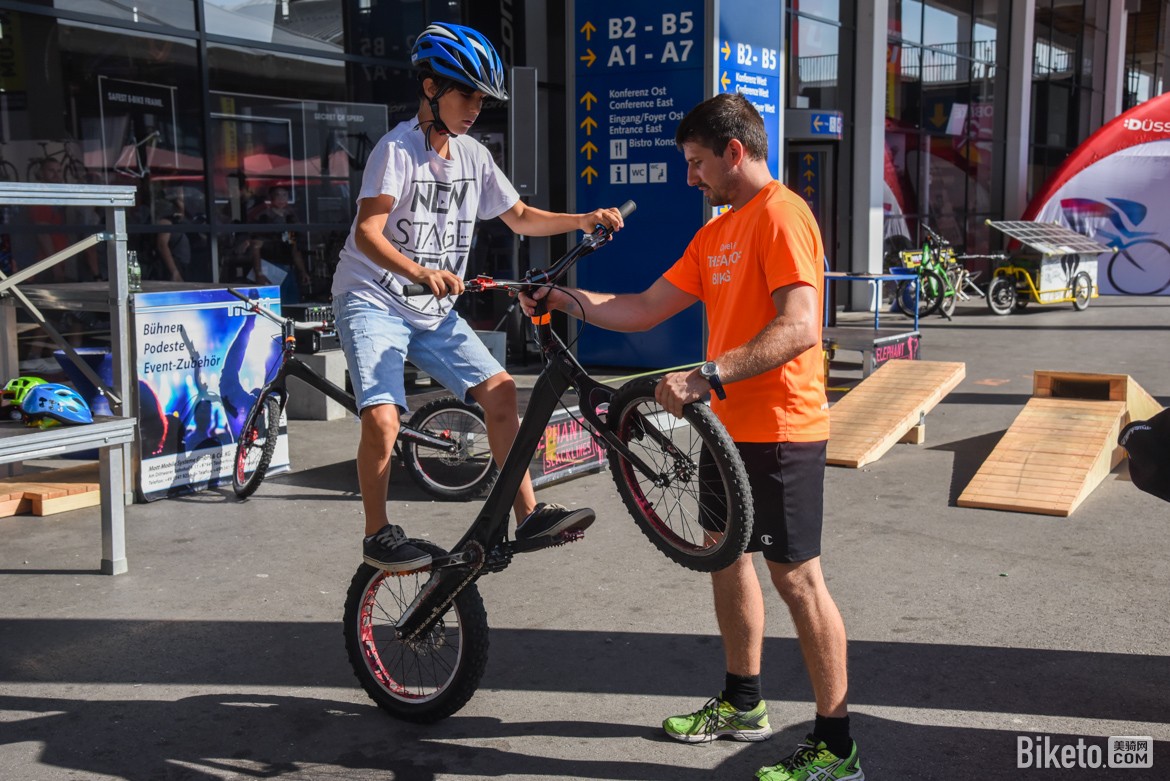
{"x":16,"y":389}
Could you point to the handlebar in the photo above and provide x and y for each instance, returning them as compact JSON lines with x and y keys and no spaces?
{"x":936,"y":238}
{"x":600,"y":236}
{"x":254,"y":305}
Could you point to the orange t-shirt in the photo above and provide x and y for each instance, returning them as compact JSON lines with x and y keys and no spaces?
{"x":733,"y":264}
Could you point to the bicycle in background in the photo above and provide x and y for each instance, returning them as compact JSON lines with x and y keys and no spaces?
{"x":418,"y":641}
{"x":72,"y":169}
{"x":444,"y":445}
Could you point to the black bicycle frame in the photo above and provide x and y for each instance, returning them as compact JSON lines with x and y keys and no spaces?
{"x":484,"y":547}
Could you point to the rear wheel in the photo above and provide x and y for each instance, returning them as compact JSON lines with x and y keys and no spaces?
{"x":1082,"y":287}
{"x":464,"y":473}
{"x":256,"y":444}
{"x":930,"y":289}
{"x":1001,"y":295}
{"x":696,"y":506}
{"x":426,"y":679}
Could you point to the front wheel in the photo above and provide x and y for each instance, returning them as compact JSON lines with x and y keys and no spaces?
{"x":1082,"y":288}
{"x":696,"y":505}
{"x":256,"y":444}
{"x":1001,"y":295}
{"x":426,"y":679}
{"x":463,"y":473}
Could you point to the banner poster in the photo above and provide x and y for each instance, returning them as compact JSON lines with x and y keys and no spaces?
{"x":201,"y":359}
{"x":567,"y":450}
{"x":1112,"y":188}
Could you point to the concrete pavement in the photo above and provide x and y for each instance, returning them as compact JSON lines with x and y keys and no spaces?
{"x":220,"y":655}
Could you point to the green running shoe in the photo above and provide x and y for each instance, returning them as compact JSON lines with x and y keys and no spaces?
{"x":812,"y":761}
{"x":717,"y":719}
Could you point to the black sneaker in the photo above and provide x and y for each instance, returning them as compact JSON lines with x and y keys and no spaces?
{"x":389,"y":549}
{"x":549,"y":520}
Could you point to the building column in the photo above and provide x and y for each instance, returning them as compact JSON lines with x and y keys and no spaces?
{"x":1115,"y":60}
{"x":869,"y":138}
{"x":1018,"y":125}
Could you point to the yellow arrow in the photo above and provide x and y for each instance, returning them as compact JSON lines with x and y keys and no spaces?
{"x":817,"y":122}
{"x":809,"y":175}
{"x":726,"y":50}
{"x":589,"y":173}
{"x":588,"y":29}
{"x":940,"y":118}
{"x":589,"y":149}
{"x":723,"y":80}
{"x":808,"y":191}
{"x":808,"y":158}
{"x":588,"y":58}
{"x":588,"y":99}
{"x":588,"y":124}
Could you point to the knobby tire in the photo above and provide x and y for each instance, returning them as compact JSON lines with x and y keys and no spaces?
{"x":255,"y":445}
{"x":693,"y":534}
{"x":427,"y":679}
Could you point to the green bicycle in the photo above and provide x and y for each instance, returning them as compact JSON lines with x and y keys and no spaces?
{"x":930,"y":289}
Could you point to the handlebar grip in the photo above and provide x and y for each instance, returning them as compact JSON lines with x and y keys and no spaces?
{"x":415,"y":290}
{"x":627,"y":208}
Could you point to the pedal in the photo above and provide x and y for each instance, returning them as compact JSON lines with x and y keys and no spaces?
{"x":540,"y":543}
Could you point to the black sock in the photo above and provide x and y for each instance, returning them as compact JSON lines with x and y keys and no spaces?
{"x":742,"y":692}
{"x":834,"y":733}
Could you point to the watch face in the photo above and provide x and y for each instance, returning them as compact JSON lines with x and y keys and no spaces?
{"x":708,"y":369}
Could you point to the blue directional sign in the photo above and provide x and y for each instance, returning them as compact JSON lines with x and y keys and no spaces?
{"x":748,"y":61}
{"x":639,"y":69}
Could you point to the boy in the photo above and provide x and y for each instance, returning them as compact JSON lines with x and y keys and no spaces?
{"x":425,"y":185}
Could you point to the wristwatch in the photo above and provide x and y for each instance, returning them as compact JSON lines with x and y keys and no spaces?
{"x":710,"y":372}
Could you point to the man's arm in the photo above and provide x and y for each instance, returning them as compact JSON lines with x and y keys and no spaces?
{"x":792,"y":331}
{"x":615,"y":311}
{"x":531,"y":221}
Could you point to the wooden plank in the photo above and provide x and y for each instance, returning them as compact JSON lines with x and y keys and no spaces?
{"x":54,"y":491}
{"x":885,"y":406}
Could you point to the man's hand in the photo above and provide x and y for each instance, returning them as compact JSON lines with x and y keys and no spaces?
{"x":440,"y":281}
{"x":676,"y":390}
{"x":554,"y":297}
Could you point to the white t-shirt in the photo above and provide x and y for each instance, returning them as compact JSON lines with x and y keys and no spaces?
{"x":436,"y":204}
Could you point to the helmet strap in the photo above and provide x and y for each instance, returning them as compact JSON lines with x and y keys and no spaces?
{"x":436,"y":125}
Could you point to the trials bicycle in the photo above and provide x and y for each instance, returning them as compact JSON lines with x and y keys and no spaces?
{"x":418,"y":641}
{"x":444,"y":445}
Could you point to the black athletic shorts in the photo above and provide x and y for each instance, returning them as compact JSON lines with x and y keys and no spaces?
{"x":787,"y":481}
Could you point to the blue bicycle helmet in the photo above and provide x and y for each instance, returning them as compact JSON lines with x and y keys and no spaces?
{"x":50,"y":404}
{"x":461,"y":54}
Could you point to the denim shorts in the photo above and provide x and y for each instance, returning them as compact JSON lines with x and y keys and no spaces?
{"x":377,"y":343}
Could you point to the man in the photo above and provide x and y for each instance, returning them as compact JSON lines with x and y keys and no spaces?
{"x":281,"y":249}
{"x":764,"y":316}
{"x":425,"y":184}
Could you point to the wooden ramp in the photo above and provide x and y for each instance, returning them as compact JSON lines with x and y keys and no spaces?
{"x":885,"y":407}
{"x":46,"y":493}
{"x":1061,"y":445}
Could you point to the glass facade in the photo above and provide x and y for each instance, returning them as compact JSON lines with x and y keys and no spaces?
{"x":206,"y":107}
{"x":1147,"y":44}
{"x":1067,"y":87}
{"x":945,"y":74}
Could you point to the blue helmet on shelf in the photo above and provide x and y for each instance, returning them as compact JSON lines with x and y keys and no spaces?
{"x":461,"y":54}
{"x":50,"y":404}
